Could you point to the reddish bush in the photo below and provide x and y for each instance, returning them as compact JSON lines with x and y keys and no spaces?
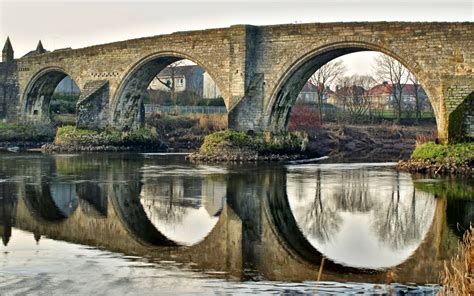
{"x":304,"y":118}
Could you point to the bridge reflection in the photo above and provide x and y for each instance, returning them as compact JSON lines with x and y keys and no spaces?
{"x":256,"y":222}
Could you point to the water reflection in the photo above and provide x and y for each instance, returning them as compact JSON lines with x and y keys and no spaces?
{"x":357,"y":217}
{"x":64,"y":197}
{"x":252,"y":222}
{"x":183,"y":208}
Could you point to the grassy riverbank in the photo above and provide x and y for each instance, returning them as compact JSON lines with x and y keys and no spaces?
{"x":441,"y":159}
{"x":71,"y":138}
{"x":15,"y":132}
{"x":25,"y":135}
{"x":230,"y":145}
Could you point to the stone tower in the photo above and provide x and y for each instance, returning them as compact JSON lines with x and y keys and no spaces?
{"x":7,"y":52}
{"x":39,"y":48}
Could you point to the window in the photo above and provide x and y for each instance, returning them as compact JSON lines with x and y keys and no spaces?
{"x":179,"y":82}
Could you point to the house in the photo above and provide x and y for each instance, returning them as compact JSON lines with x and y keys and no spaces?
{"x":309,"y":93}
{"x":184,"y":78}
{"x":344,"y":95}
{"x":382,"y":95}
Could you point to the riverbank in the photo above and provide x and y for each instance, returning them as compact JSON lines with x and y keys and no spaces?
{"x":24,"y":136}
{"x":73,"y":139}
{"x":343,"y":143}
{"x":230,"y":145}
{"x":431,"y":158}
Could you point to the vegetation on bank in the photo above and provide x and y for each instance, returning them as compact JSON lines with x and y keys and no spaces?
{"x":452,"y":154}
{"x":73,"y":136}
{"x":25,"y":132}
{"x":457,"y":277}
{"x":234,"y":145}
{"x":441,"y":159}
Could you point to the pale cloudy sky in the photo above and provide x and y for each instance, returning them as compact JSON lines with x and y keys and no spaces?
{"x":75,"y":23}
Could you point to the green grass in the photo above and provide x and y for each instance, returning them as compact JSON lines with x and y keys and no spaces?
{"x":11,"y":132}
{"x":458,"y":154}
{"x":71,"y":135}
{"x":265,"y":143}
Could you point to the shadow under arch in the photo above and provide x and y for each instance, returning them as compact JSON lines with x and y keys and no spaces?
{"x":289,"y":85}
{"x":42,"y":205}
{"x":126,"y":203}
{"x":127,"y":111}
{"x":292,"y":239}
{"x":38,"y":93}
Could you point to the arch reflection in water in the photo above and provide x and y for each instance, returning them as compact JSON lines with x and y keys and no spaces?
{"x":53,"y":202}
{"x":358,"y":217}
{"x":183,"y":208}
{"x":64,"y":197}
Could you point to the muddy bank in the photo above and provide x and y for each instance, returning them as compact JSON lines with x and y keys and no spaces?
{"x":427,"y":167}
{"x":21,"y":145}
{"x":232,"y":154}
{"x":365,"y":142}
{"x":51,"y":147}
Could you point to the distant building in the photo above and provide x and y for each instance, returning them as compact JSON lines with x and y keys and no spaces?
{"x":309,"y":93}
{"x":382,"y":95}
{"x":344,"y":94}
{"x":184,"y":78}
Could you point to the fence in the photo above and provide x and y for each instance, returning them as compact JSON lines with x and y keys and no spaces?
{"x":151,"y":108}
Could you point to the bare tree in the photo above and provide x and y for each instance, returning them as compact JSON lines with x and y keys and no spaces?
{"x":389,"y":69}
{"x":355,"y":93}
{"x":170,"y":83}
{"x":418,"y":100}
{"x":323,"y":78}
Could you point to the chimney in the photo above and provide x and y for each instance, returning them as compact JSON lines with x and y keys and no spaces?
{"x":7,"y":52}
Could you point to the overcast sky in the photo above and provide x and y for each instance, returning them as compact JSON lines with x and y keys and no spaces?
{"x":74,"y":23}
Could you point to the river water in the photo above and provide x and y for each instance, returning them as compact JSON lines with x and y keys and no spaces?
{"x":155,"y":224}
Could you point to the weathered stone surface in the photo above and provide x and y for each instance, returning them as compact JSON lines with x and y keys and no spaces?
{"x":9,"y":90}
{"x":259,"y":70}
{"x":92,"y":106}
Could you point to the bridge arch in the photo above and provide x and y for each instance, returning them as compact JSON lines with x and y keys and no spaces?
{"x":298,"y":70}
{"x":127,"y":109}
{"x":39,"y":91}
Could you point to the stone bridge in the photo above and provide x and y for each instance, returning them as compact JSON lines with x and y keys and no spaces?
{"x":259,"y":70}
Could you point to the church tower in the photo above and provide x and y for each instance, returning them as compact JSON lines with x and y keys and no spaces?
{"x":7,"y":52}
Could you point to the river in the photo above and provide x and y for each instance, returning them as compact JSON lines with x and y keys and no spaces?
{"x":155,"y":224}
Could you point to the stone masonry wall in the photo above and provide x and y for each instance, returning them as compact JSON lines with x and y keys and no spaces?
{"x":9,"y":91}
{"x":251,"y":65}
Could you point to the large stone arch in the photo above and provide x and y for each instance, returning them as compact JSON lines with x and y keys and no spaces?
{"x":127,"y":112}
{"x":296,"y":71}
{"x":39,"y":90}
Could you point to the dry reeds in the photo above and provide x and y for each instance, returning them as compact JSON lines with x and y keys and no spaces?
{"x":457,"y":277}
{"x":213,"y":122}
{"x":425,"y":138}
